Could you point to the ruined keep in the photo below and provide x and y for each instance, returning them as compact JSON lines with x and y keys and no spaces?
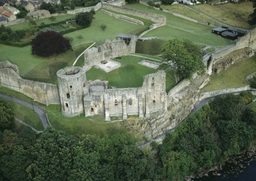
{"x":71,"y":81}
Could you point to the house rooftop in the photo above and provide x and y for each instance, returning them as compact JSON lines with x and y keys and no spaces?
{"x":2,"y":18}
{"x":5,"y":13}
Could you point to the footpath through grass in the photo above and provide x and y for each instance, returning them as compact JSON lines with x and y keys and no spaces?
{"x":233,"y":77}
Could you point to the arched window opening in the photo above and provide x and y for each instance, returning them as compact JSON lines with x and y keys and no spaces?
{"x":66,"y":104}
{"x":68,"y":95}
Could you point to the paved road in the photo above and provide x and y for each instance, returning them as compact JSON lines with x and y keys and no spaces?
{"x":38,"y":110}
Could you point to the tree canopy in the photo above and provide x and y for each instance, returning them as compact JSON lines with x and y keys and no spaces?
{"x":221,"y":129}
{"x":252,"y":17}
{"x":185,"y":57}
{"x":7,"y":115}
{"x":49,"y":43}
{"x":84,"y":19}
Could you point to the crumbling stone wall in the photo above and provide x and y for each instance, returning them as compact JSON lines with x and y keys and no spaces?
{"x":243,"y":48}
{"x":108,"y":50}
{"x":85,"y":9}
{"x":41,"y":92}
{"x":122,"y":102}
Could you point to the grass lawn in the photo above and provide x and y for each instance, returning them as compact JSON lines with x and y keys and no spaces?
{"x":183,"y":29}
{"x":233,"y":77}
{"x":95,"y":33}
{"x":79,"y":125}
{"x":130,"y":74}
{"x":182,"y":9}
{"x":37,"y":68}
{"x":234,"y":14}
{"x":26,"y":115}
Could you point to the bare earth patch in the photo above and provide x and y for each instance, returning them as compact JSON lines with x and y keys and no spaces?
{"x":108,"y":65}
{"x":149,"y":64}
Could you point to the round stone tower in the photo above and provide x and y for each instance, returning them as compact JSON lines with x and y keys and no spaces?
{"x":71,"y":81}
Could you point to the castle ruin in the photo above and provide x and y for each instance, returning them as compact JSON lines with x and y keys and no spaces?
{"x":157,"y":111}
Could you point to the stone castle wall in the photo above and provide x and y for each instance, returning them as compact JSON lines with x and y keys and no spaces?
{"x":243,"y":48}
{"x":85,"y":9}
{"x":41,"y":92}
{"x":123,"y":102}
{"x":108,"y":50}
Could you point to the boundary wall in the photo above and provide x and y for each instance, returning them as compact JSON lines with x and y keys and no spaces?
{"x":86,"y":9}
{"x":44,"y":93}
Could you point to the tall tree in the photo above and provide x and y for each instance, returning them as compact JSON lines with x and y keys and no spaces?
{"x":49,"y":43}
{"x":185,"y":57}
{"x":84,"y":19}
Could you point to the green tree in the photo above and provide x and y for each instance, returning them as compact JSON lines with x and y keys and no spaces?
{"x":7,"y":115}
{"x":252,"y":17}
{"x":49,"y":43}
{"x":84,"y":19}
{"x":49,"y":7}
{"x":52,"y":156}
{"x":185,"y":58}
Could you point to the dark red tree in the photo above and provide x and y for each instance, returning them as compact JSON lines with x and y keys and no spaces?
{"x":49,"y":43}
